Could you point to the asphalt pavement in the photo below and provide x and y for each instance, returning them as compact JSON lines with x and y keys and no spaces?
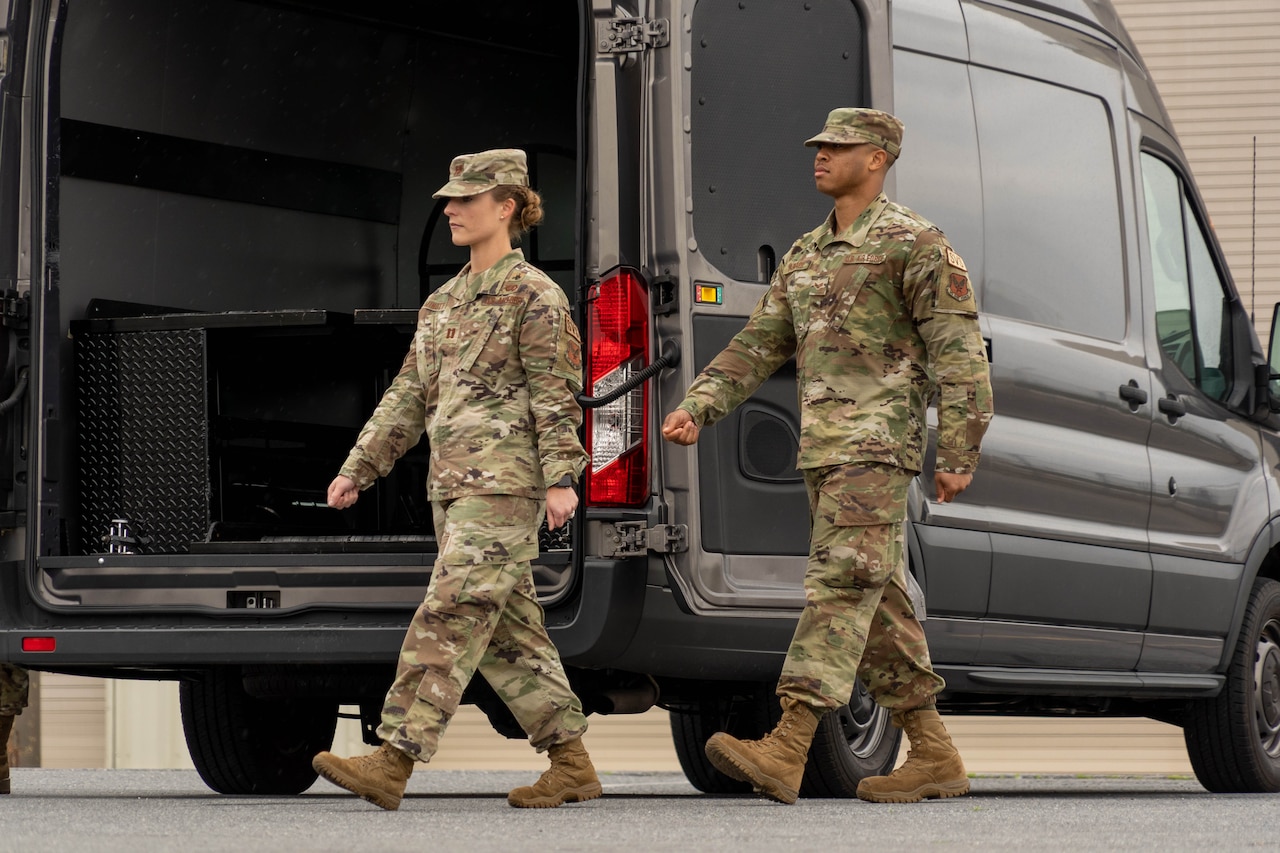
{"x":172,"y":810}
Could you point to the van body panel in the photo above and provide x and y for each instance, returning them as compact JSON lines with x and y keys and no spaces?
{"x":930,"y":26}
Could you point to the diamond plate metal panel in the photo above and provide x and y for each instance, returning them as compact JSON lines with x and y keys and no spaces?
{"x":143,"y":438}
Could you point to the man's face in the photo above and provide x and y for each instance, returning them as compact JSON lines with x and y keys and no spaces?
{"x":840,"y":169}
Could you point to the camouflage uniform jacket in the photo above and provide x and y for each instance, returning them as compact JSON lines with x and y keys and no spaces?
{"x":490,"y":378}
{"x":878,"y":316}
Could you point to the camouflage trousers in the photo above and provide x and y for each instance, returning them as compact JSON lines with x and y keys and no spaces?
{"x":481,"y":612}
{"x":14,"y":688}
{"x":858,"y":621}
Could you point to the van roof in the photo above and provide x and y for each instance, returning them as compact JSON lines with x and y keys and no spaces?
{"x":1097,"y":14}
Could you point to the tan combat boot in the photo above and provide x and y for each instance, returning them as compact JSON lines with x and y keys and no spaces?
{"x":6,"y":726}
{"x":774,"y":765}
{"x":379,"y":778}
{"x":570,"y":779}
{"x":933,"y":768}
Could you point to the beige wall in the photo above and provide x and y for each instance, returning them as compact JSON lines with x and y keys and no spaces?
{"x":1216,"y":66}
{"x":134,"y":724}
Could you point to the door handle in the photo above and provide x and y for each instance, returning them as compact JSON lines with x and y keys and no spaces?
{"x":1172,"y":407}
{"x":1133,"y":395}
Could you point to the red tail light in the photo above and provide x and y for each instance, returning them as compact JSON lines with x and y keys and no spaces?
{"x":618,"y":432}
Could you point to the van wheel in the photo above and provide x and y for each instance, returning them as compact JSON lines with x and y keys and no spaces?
{"x":244,"y":745}
{"x":748,"y":717}
{"x":1234,"y":739}
{"x":850,"y":744}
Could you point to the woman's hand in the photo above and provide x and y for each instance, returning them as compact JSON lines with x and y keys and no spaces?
{"x":343,"y":492}
{"x":562,"y":502}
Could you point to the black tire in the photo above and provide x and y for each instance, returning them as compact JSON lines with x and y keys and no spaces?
{"x":748,"y":717}
{"x":244,"y":745}
{"x":1233,"y":740}
{"x":850,"y":744}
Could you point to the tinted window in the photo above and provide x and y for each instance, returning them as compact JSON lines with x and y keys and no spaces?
{"x":1052,"y":210}
{"x":752,"y":106}
{"x":938,"y":174}
{"x":1191,"y":302}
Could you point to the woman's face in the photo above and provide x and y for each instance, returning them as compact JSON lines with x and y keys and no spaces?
{"x":477,"y":218}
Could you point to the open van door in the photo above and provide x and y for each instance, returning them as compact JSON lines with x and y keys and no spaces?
{"x":14,"y":287}
{"x":735,"y":122}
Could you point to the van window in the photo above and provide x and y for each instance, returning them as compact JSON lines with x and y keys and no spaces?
{"x":1191,"y":301}
{"x":751,"y":109}
{"x":938,"y":174}
{"x":1051,"y":205}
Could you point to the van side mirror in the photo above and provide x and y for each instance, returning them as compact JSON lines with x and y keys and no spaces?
{"x":1272,"y":367}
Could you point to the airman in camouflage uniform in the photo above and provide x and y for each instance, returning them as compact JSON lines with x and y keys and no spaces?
{"x":14,"y":687}
{"x":879,"y":313}
{"x":491,"y":379}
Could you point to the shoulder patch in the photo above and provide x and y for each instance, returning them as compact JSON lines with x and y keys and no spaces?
{"x":954,"y":259}
{"x":958,"y":287}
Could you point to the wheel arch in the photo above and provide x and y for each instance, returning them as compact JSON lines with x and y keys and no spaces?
{"x":1263,"y":561}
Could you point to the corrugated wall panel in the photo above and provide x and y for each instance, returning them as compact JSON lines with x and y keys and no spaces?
{"x":72,"y":731}
{"x":1216,"y":66}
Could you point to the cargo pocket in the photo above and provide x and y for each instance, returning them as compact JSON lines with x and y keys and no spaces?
{"x":865,"y":495}
{"x":448,"y":591}
{"x":843,"y":634}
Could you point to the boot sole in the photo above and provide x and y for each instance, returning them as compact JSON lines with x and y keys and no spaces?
{"x":734,"y":766}
{"x":931,"y":791}
{"x":379,"y":798}
{"x":573,"y":795}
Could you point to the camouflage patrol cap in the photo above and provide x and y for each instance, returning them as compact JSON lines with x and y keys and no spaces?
{"x":472,"y":174}
{"x":851,"y":125}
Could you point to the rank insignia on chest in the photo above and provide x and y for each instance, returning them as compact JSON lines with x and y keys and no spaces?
{"x":958,"y":287}
{"x":450,"y":334}
{"x":954,"y":259}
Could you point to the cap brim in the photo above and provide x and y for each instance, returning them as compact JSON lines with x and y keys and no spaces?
{"x":459,"y":189}
{"x":814,"y":140}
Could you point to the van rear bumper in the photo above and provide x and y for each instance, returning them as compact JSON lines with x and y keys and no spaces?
{"x":619,"y":620}
{"x":624,"y":622}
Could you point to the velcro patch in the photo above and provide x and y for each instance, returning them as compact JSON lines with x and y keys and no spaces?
{"x":492,"y":299}
{"x":862,"y":258}
{"x":958,"y":287}
{"x":954,"y":259}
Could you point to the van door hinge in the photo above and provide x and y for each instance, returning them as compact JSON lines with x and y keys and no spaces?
{"x":630,"y":35}
{"x":16,"y":309}
{"x":633,"y":539}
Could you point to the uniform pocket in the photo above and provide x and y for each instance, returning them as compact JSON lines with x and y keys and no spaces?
{"x":865,"y":495}
{"x":448,"y":592}
{"x":490,"y":351}
{"x":845,"y":290}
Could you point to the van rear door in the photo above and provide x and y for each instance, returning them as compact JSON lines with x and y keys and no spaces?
{"x":732,"y":189}
{"x":15,"y":282}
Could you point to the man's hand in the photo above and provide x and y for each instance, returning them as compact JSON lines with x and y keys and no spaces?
{"x":343,"y":492}
{"x":562,"y":502}
{"x":950,"y":485}
{"x":678,"y":427}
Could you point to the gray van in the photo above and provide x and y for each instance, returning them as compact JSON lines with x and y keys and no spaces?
{"x":216,"y":226}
